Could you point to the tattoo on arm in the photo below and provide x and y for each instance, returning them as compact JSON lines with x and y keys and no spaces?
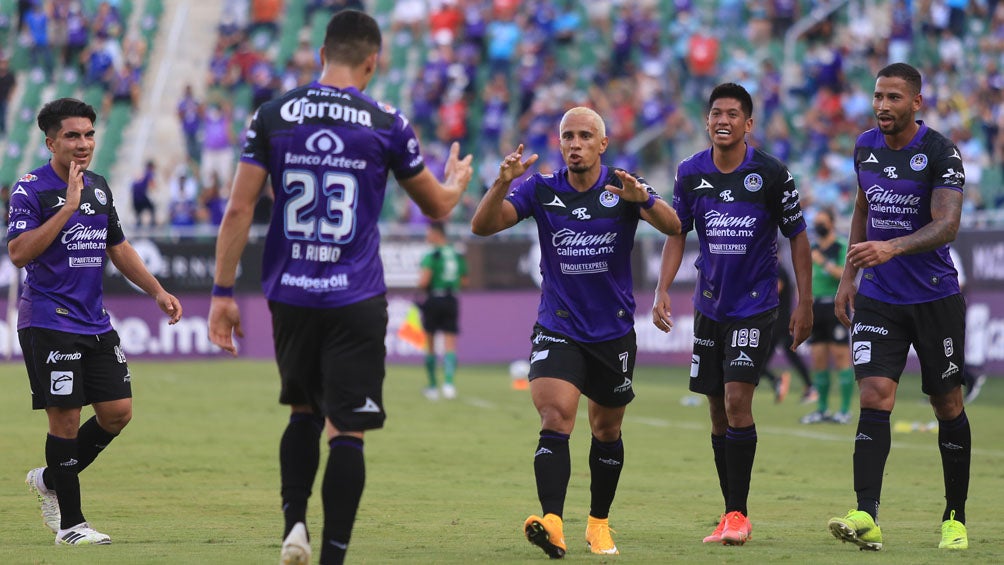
{"x":946,"y":211}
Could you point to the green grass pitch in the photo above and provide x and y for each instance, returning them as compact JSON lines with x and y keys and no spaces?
{"x":194,"y":478}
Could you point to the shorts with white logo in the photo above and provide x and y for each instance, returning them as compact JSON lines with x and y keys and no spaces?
{"x":603,"y":371}
{"x":334,"y":360}
{"x":440,"y":314}
{"x":826,"y":328}
{"x":70,"y":370}
{"x":882,"y":333}
{"x":729,"y":351}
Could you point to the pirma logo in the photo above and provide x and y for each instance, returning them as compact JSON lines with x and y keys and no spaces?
{"x":61,"y":383}
{"x":862,"y":352}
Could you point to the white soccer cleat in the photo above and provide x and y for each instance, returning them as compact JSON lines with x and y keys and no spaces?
{"x":81,"y":534}
{"x":296,"y":547}
{"x":46,"y":499}
{"x":449,"y":392}
{"x":431,"y":393}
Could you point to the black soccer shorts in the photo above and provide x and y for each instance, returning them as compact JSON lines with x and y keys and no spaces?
{"x":334,"y":360}
{"x":70,"y":370}
{"x":441,"y":314}
{"x":882,"y":334}
{"x":603,"y":371}
{"x":826,"y":328}
{"x":730,"y":351}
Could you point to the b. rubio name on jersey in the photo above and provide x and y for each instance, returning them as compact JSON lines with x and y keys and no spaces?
{"x":297,"y":110}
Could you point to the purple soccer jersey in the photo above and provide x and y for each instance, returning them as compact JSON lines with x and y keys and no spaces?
{"x":63,"y":288}
{"x":328,"y":152}
{"x":737,"y":216}
{"x":898,"y":185}
{"x":585,"y":254}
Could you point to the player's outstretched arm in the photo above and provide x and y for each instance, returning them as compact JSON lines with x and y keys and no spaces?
{"x":494,"y":213}
{"x":437,"y":200}
{"x":130,"y":264}
{"x":661,"y":215}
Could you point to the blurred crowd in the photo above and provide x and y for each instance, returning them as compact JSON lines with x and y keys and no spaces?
{"x":494,"y":73}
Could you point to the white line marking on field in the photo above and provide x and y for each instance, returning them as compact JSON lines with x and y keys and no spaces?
{"x":479,"y":403}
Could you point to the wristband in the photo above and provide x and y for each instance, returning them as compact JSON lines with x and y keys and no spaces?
{"x":647,"y":205}
{"x":223,"y":291}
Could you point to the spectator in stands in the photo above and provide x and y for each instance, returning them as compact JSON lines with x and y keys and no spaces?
{"x":107,"y":21}
{"x":123,"y":88}
{"x":264,"y":83}
{"x":330,"y":7}
{"x":304,"y":58}
{"x":141,"y":187}
{"x":40,"y":53}
{"x":409,"y":14}
{"x":8,"y":80}
{"x":217,"y":144}
{"x":190,"y":114}
{"x":504,"y":36}
{"x":184,"y":192}
{"x":265,"y":17}
{"x":77,"y":37}
{"x":99,"y":60}
{"x":211,"y":203}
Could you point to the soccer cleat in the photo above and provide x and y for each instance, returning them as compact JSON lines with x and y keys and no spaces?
{"x":953,"y":534}
{"x":296,"y":547}
{"x":859,"y":528}
{"x":46,"y":498}
{"x":449,"y":391}
{"x":782,"y":387}
{"x":81,"y":534}
{"x":841,"y":418}
{"x":716,"y":536}
{"x":737,"y":529}
{"x":546,"y":533}
{"x":431,"y":393}
{"x":814,"y":418}
{"x":598,"y":536}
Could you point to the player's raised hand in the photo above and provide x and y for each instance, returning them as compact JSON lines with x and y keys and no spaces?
{"x":632,"y":190}
{"x":458,"y":171}
{"x":513,"y":166}
{"x":74,"y":186}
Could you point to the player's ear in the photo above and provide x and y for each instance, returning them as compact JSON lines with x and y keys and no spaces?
{"x":603,"y":144}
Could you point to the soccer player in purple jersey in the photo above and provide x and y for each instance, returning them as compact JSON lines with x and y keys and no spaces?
{"x":584,"y":339}
{"x":907,"y":211}
{"x":63,"y":224}
{"x":736,"y":198}
{"x":328,"y":149}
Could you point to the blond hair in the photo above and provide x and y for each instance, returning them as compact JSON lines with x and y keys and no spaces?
{"x":601,"y":128}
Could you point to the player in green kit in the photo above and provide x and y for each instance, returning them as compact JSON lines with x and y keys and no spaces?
{"x":829,"y":337}
{"x":444,"y":271}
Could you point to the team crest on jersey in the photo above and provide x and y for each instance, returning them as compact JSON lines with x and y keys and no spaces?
{"x":28,"y":178}
{"x":753,"y":182}
{"x":918,"y":162}
{"x":608,"y":199}
{"x":100,"y":195}
{"x":387,"y":107}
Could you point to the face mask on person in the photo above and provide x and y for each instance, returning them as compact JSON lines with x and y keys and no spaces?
{"x":822,"y":230}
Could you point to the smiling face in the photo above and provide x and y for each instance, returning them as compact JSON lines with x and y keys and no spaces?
{"x":727,"y":123}
{"x":895,"y":104}
{"x":582,"y":140}
{"x":73,"y":142}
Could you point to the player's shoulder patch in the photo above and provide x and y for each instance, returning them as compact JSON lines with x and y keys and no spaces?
{"x":19,"y":190}
{"x":387,"y":107}
{"x":30,"y":177}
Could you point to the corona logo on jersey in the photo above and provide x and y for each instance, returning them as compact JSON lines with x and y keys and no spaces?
{"x":297,"y":110}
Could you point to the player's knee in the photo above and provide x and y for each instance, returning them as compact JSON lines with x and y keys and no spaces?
{"x":553,"y":417}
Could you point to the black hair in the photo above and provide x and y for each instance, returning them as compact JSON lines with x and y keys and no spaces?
{"x":734,"y":91}
{"x":904,"y":71}
{"x":51,"y":116}
{"x":351,"y":37}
